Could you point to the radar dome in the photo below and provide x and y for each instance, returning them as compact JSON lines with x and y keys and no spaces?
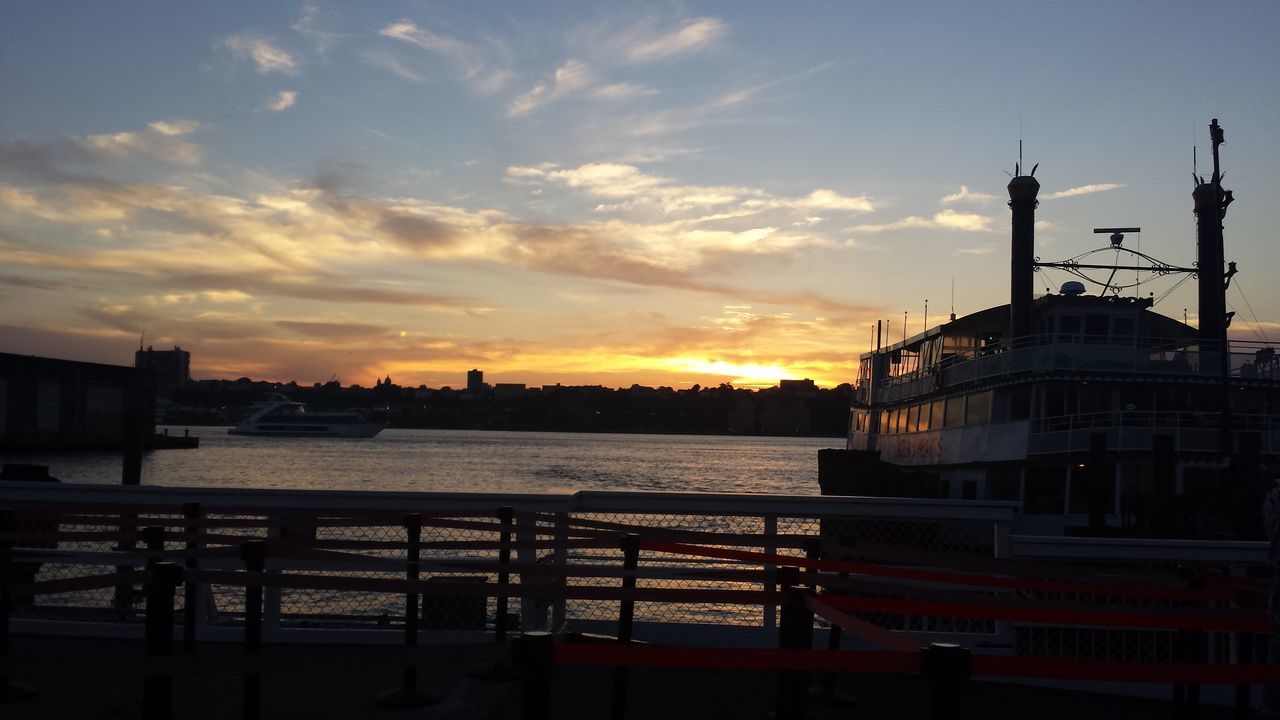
{"x":1072,"y":287}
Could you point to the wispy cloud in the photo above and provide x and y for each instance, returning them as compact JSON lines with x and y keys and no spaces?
{"x":282,"y":101}
{"x":965,"y":195}
{"x":161,"y":140}
{"x":475,"y":63}
{"x":266,"y":58}
{"x":310,"y":26}
{"x":1082,"y":190}
{"x":642,"y":45}
{"x":569,"y":78}
{"x":388,"y":62}
{"x":946,"y":220}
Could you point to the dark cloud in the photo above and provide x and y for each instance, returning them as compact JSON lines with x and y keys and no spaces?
{"x":334,"y":331}
{"x":416,"y":232}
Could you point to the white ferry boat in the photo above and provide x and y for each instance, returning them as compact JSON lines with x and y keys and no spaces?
{"x":281,"y":417}
{"x":1085,"y":408}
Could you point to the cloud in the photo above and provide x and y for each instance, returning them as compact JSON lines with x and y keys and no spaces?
{"x":622,"y":90}
{"x":309,"y":24}
{"x":692,"y":35}
{"x":475,"y":63}
{"x":282,"y":101}
{"x":967,"y":196}
{"x":1083,"y":190}
{"x":386,"y":61}
{"x":637,"y":189}
{"x":265,"y":57}
{"x":334,"y":331}
{"x":569,"y":78}
{"x":946,"y":220}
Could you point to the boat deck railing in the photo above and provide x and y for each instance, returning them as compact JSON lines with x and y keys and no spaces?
{"x":1133,"y":430}
{"x":1083,"y":354}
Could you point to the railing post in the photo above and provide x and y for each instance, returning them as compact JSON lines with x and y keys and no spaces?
{"x":626,"y":613}
{"x":408,"y":695}
{"x":153,"y":538}
{"x":9,"y":691}
{"x":157,"y":690}
{"x":505,"y":517}
{"x":945,"y":667}
{"x":770,"y":619}
{"x":190,"y":592}
{"x":795,"y":632}
{"x":561,"y":561}
{"x":533,"y":656}
{"x":254,"y":554}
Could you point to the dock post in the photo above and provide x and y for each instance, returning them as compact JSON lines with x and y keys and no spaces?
{"x":533,"y":656}
{"x":9,"y":691}
{"x":945,"y":667}
{"x":626,"y":614}
{"x":157,"y":690}
{"x":408,"y":695}
{"x":254,"y":554}
{"x":190,"y":594}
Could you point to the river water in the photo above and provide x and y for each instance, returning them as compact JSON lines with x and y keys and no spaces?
{"x":470,"y":461}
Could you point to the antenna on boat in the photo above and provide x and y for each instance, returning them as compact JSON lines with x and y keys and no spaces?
{"x":926,"y":314}
{"x":904,"y":327}
{"x":953,"y":297}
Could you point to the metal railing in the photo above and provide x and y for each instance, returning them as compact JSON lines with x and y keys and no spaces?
{"x":1093,"y":354}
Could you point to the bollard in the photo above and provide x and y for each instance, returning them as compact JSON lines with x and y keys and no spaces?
{"x":408,"y":695}
{"x":626,"y":613}
{"x":533,"y":656}
{"x":9,"y":691}
{"x":254,"y":554}
{"x":157,"y":690}
{"x":190,"y":595}
{"x":945,"y":666}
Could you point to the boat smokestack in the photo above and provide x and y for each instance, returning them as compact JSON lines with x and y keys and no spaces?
{"x":1211,"y":203}
{"x":1022,"y":202}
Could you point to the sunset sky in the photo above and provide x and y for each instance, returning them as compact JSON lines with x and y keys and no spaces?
{"x":593,"y":192}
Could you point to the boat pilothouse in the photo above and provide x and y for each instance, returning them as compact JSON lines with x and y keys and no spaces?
{"x":1082,"y":407}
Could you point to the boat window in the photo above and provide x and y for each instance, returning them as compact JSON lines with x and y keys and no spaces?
{"x":1079,"y":500}
{"x":1020,"y":403}
{"x":900,"y":420}
{"x":913,"y":418}
{"x":1002,"y":483}
{"x":936,"y":414}
{"x":1095,"y":328}
{"x":1123,"y":327}
{"x":978,"y":409}
{"x":1068,"y":328}
{"x":955,"y":411}
{"x":1046,"y":491}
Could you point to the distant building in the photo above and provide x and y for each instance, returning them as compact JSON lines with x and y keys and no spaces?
{"x":475,"y":381}
{"x":502,"y":391}
{"x":48,"y":404}
{"x":171,"y":368}
{"x":798,"y":388}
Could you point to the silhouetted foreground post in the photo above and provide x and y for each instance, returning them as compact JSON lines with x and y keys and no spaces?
{"x":795,"y":632}
{"x":9,"y":691}
{"x":626,"y":614}
{"x":254,"y":554}
{"x":506,"y":526}
{"x":408,"y":695}
{"x":190,"y":597}
{"x":533,"y":657}
{"x":157,"y":690}
{"x":945,"y":667}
